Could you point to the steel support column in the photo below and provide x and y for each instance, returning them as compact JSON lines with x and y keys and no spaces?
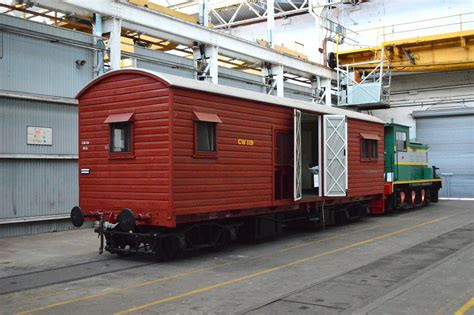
{"x":212,"y":55}
{"x":273,"y":79}
{"x":321,"y":91}
{"x":317,"y":91}
{"x":97,"y":31}
{"x":326,"y":84}
{"x":277,"y":72}
{"x":114,"y":27}
{"x":270,"y":21}
{"x":203,"y":13}
{"x":163,"y":26}
{"x":206,"y":62}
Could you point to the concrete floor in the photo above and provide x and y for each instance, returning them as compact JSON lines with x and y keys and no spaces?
{"x":418,"y":262}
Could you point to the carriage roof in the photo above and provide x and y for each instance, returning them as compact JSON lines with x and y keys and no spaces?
{"x":176,"y":81}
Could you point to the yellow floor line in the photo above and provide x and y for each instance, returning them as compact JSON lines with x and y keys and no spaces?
{"x":266,"y":271}
{"x":466,"y":307}
{"x":166,"y":278}
{"x":179,"y":275}
{"x":452,"y":302}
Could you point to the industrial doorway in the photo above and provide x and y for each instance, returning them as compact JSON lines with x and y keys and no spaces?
{"x":307,"y":153}
{"x":310,"y":157}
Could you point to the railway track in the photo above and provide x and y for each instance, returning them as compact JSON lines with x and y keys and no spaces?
{"x":349,"y":291}
{"x":46,"y":277}
{"x":164,"y":289}
{"x":79,"y":271}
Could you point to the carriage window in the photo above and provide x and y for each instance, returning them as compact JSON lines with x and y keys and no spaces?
{"x":206,"y":136}
{"x":401,"y":141}
{"x":369,"y":149}
{"x":121,"y":137}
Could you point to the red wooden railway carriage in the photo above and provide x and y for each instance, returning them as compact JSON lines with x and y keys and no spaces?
{"x":168,"y":163}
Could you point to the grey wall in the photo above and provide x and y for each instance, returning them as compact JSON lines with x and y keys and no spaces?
{"x":450,"y":138}
{"x":427,"y":91}
{"x":43,"y":63}
{"x":451,"y":148}
{"x":163,"y":62}
{"x":17,"y":114}
{"x":38,"y":61}
{"x":33,"y":187}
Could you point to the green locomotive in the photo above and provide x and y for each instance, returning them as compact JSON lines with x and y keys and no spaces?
{"x":409,"y":180}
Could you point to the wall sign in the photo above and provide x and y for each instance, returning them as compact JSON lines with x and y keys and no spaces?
{"x":39,"y":135}
{"x":245,"y":142}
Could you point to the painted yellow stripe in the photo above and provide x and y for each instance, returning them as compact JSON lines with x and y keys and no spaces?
{"x":179,"y":275}
{"x":270,"y":270}
{"x":417,"y":181}
{"x":466,"y":307}
{"x":410,"y":163}
{"x":417,"y":150}
{"x":170,"y":277}
{"x":175,"y":276}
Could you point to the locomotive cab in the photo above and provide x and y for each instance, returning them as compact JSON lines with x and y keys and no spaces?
{"x":410,"y":181}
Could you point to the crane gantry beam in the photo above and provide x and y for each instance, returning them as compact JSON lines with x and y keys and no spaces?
{"x":443,"y":52}
{"x":163,"y":26}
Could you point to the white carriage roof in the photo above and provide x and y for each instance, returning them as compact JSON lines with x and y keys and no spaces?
{"x":191,"y":84}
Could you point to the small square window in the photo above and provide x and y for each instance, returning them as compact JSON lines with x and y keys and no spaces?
{"x":369,"y":149}
{"x":121,"y":137}
{"x":401,"y":141}
{"x":206,"y":137}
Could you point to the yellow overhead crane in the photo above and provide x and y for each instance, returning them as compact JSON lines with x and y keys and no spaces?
{"x":162,"y":9}
{"x":444,"y":52}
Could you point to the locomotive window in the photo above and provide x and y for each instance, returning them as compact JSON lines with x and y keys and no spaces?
{"x":401,"y":141}
{"x":206,"y":137}
{"x":369,"y":149}
{"x":121,"y":137}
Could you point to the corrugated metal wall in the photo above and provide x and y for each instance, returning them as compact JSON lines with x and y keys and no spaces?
{"x":451,"y":148}
{"x":28,"y":228}
{"x":38,"y":181}
{"x":163,"y":62}
{"x":34,"y":187}
{"x":34,"y":65}
{"x":17,"y":114}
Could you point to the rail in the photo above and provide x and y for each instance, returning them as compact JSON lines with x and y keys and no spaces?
{"x":432,"y":26}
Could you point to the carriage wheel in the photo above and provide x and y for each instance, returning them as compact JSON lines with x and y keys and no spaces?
{"x":168,"y":248}
{"x":402,"y":199}
{"x":413,"y":197}
{"x":223,"y":241}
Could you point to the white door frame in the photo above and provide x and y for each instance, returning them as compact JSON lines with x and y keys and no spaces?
{"x":336,"y":153}
{"x":297,"y":167}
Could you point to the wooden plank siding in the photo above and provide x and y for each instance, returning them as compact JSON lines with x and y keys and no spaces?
{"x":365,"y":177}
{"x":241,"y":177}
{"x":141,"y":183}
{"x":165,"y":179}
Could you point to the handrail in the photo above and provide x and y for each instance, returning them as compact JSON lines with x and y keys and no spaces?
{"x":418,"y":21}
{"x":464,"y":21}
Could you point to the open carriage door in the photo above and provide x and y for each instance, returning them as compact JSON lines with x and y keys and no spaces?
{"x":335,"y":155}
{"x":297,"y":179}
